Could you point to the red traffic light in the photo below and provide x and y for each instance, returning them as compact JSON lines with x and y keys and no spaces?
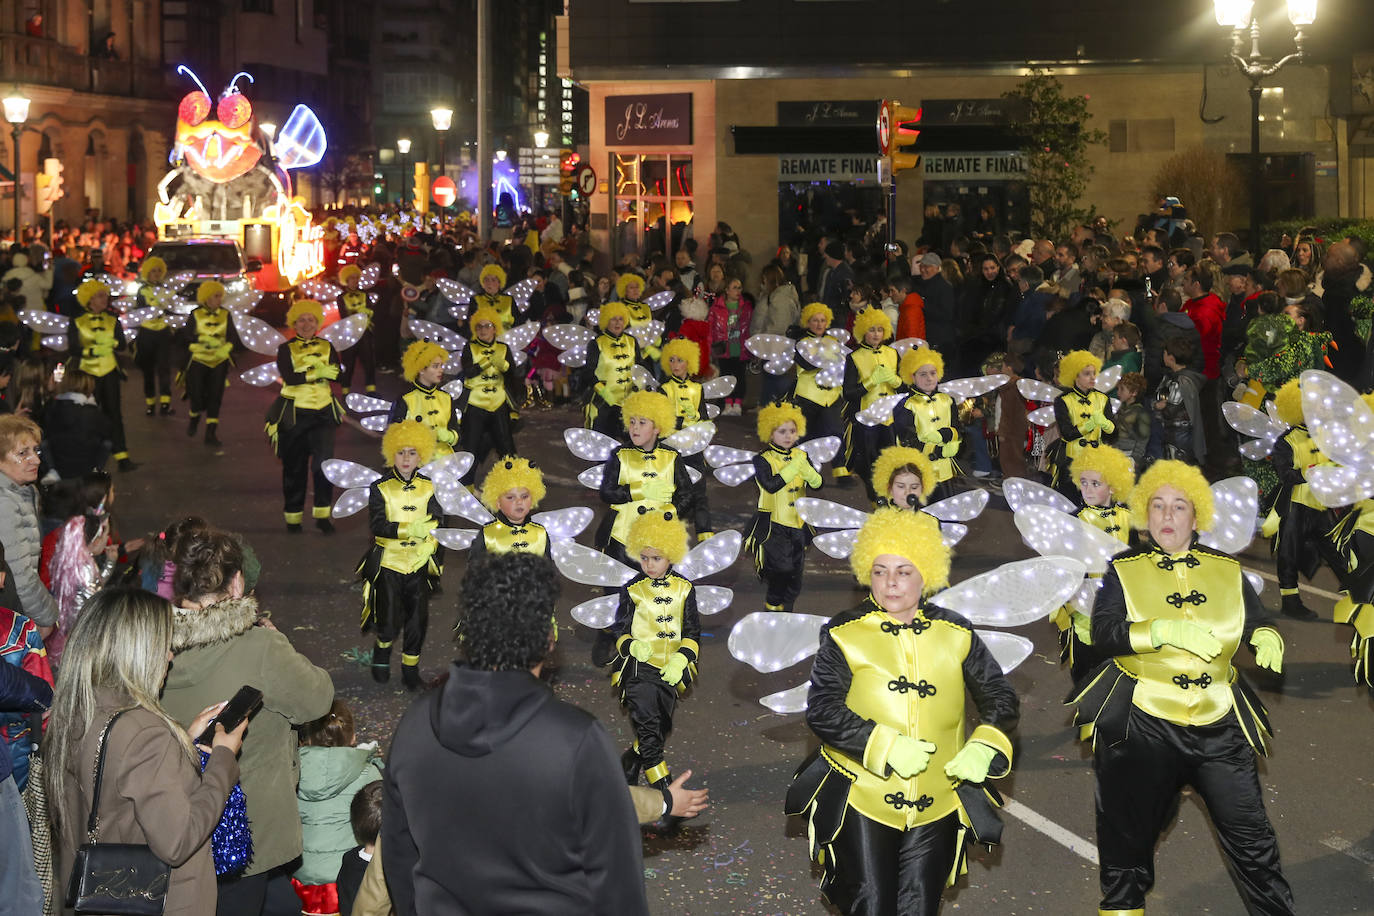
{"x":571,"y":160}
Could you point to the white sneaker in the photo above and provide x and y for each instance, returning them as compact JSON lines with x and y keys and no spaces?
{"x":732,"y":410}
{"x":981,"y":474}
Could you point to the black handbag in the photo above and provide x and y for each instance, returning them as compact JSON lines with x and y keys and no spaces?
{"x":115,"y":879}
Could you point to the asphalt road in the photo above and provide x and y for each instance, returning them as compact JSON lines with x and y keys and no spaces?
{"x":743,"y":856}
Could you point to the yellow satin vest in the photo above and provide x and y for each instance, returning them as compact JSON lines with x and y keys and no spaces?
{"x":1081,"y":406}
{"x":315,"y":395}
{"x":637,"y":467}
{"x":640,"y":313}
{"x":866,"y":359}
{"x":1114,"y":520}
{"x":488,"y":390}
{"x":686,"y":396}
{"x":432,"y":407}
{"x":212,"y":330}
{"x":501,"y":303}
{"x":782,"y":505}
{"x":909,"y":680}
{"x":355,"y":303}
{"x":933,"y":412}
{"x":807,"y":385}
{"x":616,"y":359}
{"x":659,"y":607}
{"x":406,"y":501}
{"x":1204,"y":588}
{"x":96,"y":331}
{"x":158,"y":322}
{"x":1305,"y":455}
{"x":502,"y":537}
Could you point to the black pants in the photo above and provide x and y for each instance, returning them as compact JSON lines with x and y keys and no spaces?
{"x":153,"y":356}
{"x":739,"y":368}
{"x":205,"y":388}
{"x":781,"y":564}
{"x":483,"y":431}
{"x":1138,"y":782}
{"x":651,"y":704}
{"x":365,"y":350}
{"x":862,"y":445}
{"x":309,"y":439}
{"x":402,"y":607}
{"x":820,"y":421}
{"x":701,"y":506}
{"x":881,"y":871}
{"x":266,"y":894}
{"x":1302,"y":545}
{"x":107,"y":397}
{"x":602,"y":417}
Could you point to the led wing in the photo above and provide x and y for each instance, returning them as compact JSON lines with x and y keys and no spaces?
{"x":712,"y":599}
{"x":256,"y":334}
{"x":572,"y":339}
{"x":1020,"y":493}
{"x":791,"y":700}
{"x":46,"y":322}
{"x":241,"y":301}
{"x":907,"y":343}
{"x":660,"y":300}
{"x":642,"y":378}
{"x":346,"y":332}
{"x":718,"y":456}
{"x":963,"y":507}
{"x":837,"y":544}
{"x":1259,"y":426}
{"x":565,"y":524}
{"x":1036,"y":390}
{"x":520,"y":337}
{"x":134,"y":317}
{"x":262,"y":376}
{"x":1008,"y":649}
{"x":453,"y":291}
{"x":1107,"y":378}
{"x":369,"y":277}
{"x":1052,"y":533}
{"x":589,"y":567}
{"x":591,"y":478}
{"x":822,"y":513}
{"x":710,"y":556}
{"x":428,"y":330}
{"x":376,"y":423}
{"x":880,"y":411}
{"x":363,"y":404}
{"x":598,"y":613}
{"x":1015,"y":594}
{"x":349,"y":474}
{"x":965,"y":388}
{"x":735,"y":474}
{"x":1336,"y":485}
{"x":822,"y":450}
{"x":718,"y":387}
{"x":455,"y":499}
{"x":1236,"y":500}
{"x":691,"y":439}
{"x":951,"y":533}
{"x":1338,"y":419}
{"x":320,"y":290}
{"x":350,"y":502}
{"x":588,"y":444}
{"x":769,"y":641}
{"x":839,"y":334}
{"x":300,"y":142}
{"x":455,"y":538}
{"x":521,"y":292}
{"x":647,"y":334}
{"x":1042,"y":416}
{"x":771,"y":347}
{"x":453,"y":465}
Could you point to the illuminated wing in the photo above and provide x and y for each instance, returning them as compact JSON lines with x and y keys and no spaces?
{"x":591,"y":478}
{"x":598,"y":613}
{"x":647,"y":334}
{"x":1336,"y":485}
{"x":1051,"y":533}
{"x":179,"y":279}
{"x":455,"y":499}
{"x":453,"y":291}
{"x":1236,"y":500}
{"x":718,"y":456}
{"x":300,"y":142}
{"x":572,"y":339}
{"x":45,"y":322}
{"x":1259,"y":426}
{"x":592,"y":318}
{"x":837,"y":544}
{"x":718,"y":387}
{"x":520,"y":337}
{"x":521,"y":292}
{"x":58,"y":342}
{"x":963,"y":507}
{"x":775,"y":348}
{"x":588,"y":444}
{"x":839,"y":334}
{"x":880,"y":411}
{"x":242,"y":301}
{"x":131,"y":319}
{"x":346,"y":332}
{"x":822,"y":513}
{"x":453,"y":388}
{"x":712,"y":599}
{"x":564,"y":524}
{"x":642,"y":378}
{"x":712,"y":411}
{"x":907,"y":343}
{"x":376,"y":423}
{"x":691,"y":439}
{"x":660,"y":300}
{"x":1042,"y":416}
{"x":349,"y":474}
{"x":1107,"y":378}
{"x":965,"y":388}
{"x":827,"y":355}
{"x":459,"y":312}
{"x":1083,"y":599}
{"x":1036,"y":390}
{"x":428,"y":330}
{"x":262,"y":376}
{"x":1008,"y":649}
{"x":454,"y":464}
{"x":320,"y":290}
{"x":350,"y":502}
{"x":1017,"y":593}
{"x":769,"y":641}
{"x":365,"y":404}
{"x":791,"y":700}
{"x":455,"y":538}
{"x":735,"y":474}
{"x":256,"y":334}
{"x":710,"y":556}
{"x":589,"y":567}
{"x":369,"y":277}
{"x":1339,"y":421}
{"x":1255,"y":580}
{"x":822,"y":450}
{"x":951,"y":533}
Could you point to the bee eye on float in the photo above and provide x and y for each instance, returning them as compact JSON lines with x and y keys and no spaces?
{"x":194,"y":108}
{"x":234,"y":110}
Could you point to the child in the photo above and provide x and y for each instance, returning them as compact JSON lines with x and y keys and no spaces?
{"x":491,"y":279}
{"x":1011,"y":423}
{"x":1125,"y":348}
{"x":928,"y":419}
{"x":153,"y":346}
{"x":681,"y":361}
{"x":404,"y":564}
{"x":729,"y":318}
{"x":21,"y":646}
{"x":157,"y":562}
{"x":365,"y":817}
{"x":488,"y":399}
{"x":302,"y":421}
{"x":697,"y":329}
{"x":906,"y":477}
{"x":777,"y":537}
{"x":1133,"y":419}
{"x":512,"y":489}
{"x":656,"y":631}
{"x":209,"y":337}
{"x":870,"y":372}
{"x":1082,"y":414}
{"x":817,"y":401}
{"x":355,"y":302}
{"x":93,"y":338}
{"x":606,"y":374}
{"x":628,"y":288}
{"x":332,"y":773}
{"x":1178,"y":403}
{"x":422,"y":364}
{"x":78,"y":432}
{"x":79,"y":556}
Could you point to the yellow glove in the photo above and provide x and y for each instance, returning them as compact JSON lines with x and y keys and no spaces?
{"x":1088,"y":426}
{"x":972,"y":762}
{"x":932,"y":437}
{"x":673,"y":671}
{"x":1186,"y":636}
{"x":446,"y":435}
{"x":909,"y":756}
{"x":326,"y":371}
{"x":811,"y":476}
{"x":1268,"y":646}
{"x":416,"y":530}
{"x":223,"y":351}
{"x":640,"y":649}
{"x":1082,"y":628}
{"x":102,"y":349}
{"x":659,"y":491}
{"x":790,"y":471}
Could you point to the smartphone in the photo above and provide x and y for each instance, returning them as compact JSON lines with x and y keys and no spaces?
{"x":244,"y":704}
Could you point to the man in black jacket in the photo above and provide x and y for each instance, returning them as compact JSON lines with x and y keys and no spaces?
{"x":941,"y":331}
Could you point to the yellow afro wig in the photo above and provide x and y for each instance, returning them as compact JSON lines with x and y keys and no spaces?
{"x":913,"y":360}
{"x":775,"y":415}
{"x":652,"y":406}
{"x":609,"y":311}
{"x":685,"y":350}
{"x":869,"y":318}
{"x":208,"y":289}
{"x":1074,"y":362}
{"x":87,"y":290}
{"x":623,"y":284}
{"x":151,"y":264}
{"x":511,"y":473}
{"x":896,"y":458}
{"x":408,"y":434}
{"x":419,"y":355}
{"x":914,"y":536}
{"x":816,"y":308}
{"x":1114,"y":465}
{"x":1288,"y":403}
{"x":485,"y":313}
{"x":492,"y":270}
{"x":1180,"y":476}
{"x":351,"y":272}
{"x":1368,"y":400}
{"x":661,"y":530}
{"x":305,"y":307}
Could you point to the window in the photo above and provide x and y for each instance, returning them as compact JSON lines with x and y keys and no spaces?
{"x":653,"y":201}
{"x":1141,"y":135}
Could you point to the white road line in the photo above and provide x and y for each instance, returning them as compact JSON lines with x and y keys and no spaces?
{"x":1049,"y":828}
{"x":1270,"y":577}
{"x":1345,"y":847}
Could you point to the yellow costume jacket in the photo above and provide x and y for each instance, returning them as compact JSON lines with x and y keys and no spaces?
{"x":930,"y":424}
{"x":503,"y":536}
{"x":432,"y":407}
{"x":93,"y":339}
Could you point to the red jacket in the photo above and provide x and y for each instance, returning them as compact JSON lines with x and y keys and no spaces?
{"x":718,"y":317}
{"x":1208,"y":313}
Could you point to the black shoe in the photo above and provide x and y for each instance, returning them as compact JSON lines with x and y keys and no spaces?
{"x":293,"y":527}
{"x":381,"y":664}
{"x":410,"y":677}
{"x":630,"y":762}
{"x":603,"y":650}
{"x":126,"y":465}
{"x":667,"y":824}
{"x":191,"y":425}
{"x":211,"y":437}
{"x":167,"y":409}
{"x":149,"y":410}
{"x":325,"y":525}
{"x":1294,"y":608}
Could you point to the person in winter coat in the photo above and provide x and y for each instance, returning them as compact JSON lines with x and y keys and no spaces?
{"x":21,"y":694}
{"x":1178,"y":404}
{"x":221,"y":644}
{"x":1208,"y":313}
{"x":988,"y":299}
{"x":729,"y":319}
{"x":19,"y":530}
{"x":79,"y":435}
{"x":1344,"y":279}
{"x":779,"y":307}
{"x":478,"y":751}
{"x":35,"y":284}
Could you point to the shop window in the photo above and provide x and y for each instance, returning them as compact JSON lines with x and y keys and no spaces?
{"x":653,"y":202}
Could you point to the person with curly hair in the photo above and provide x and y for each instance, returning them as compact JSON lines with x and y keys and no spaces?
{"x":1167,"y":708}
{"x":681,"y":362}
{"x":422,"y":364}
{"x":905,"y":476}
{"x":777,"y":537}
{"x":644,"y":476}
{"x":870,"y":373}
{"x":153,"y":346}
{"x":815,"y":397}
{"x":403,"y":565}
{"x":928,"y":419}
{"x":606,"y":375}
{"x":93,"y":339}
{"x":492,"y":387}
{"x":1083,"y":415}
{"x":210,"y":338}
{"x":355,"y":301}
{"x":512,"y":489}
{"x":494,"y":749}
{"x":492,"y":279}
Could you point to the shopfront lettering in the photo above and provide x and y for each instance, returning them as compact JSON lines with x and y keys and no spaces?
{"x":827,"y":113}
{"x":999,"y":166}
{"x":649,"y":120}
{"x":827,"y":168}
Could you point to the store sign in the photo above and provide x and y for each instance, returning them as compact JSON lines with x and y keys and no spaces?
{"x":649,"y":120}
{"x":1003,"y":166}
{"x":827,"y":168}
{"x":860,"y":112}
{"x":973,"y":112}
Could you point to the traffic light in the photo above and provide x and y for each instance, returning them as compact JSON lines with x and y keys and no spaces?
{"x":898,"y":131}
{"x":378,"y":187}
{"x":48,"y":185}
{"x":421,"y":200}
{"x":568,"y":163}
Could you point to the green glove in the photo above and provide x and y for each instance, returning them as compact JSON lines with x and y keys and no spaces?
{"x":673,"y":671}
{"x":641,"y":650}
{"x":1107,"y":426}
{"x":101,"y":350}
{"x":328,"y":371}
{"x":790,"y":471}
{"x":1082,"y":628}
{"x":1087,"y":426}
{"x":446,"y":435}
{"x":223,"y":351}
{"x":502,"y":366}
{"x":972,"y":762}
{"x":658,"y":490}
{"x":1268,"y":645}
{"x":909,"y":756}
{"x":811,"y":476}
{"x":1186,"y":636}
{"x":932,"y":437}
{"x":415,"y":530}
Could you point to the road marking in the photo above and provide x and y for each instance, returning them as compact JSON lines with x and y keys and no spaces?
{"x":1345,"y":847}
{"x":1270,"y":577}
{"x":1049,"y":828}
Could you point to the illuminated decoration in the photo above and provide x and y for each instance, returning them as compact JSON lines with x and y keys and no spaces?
{"x":627,"y":176}
{"x":300,"y":143}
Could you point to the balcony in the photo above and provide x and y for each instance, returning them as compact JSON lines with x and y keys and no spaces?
{"x":45,"y":62}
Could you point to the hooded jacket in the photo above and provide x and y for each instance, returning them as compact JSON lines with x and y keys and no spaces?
{"x":500,"y":798}
{"x":23,"y":542}
{"x":220,"y":649}
{"x":330,"y":777}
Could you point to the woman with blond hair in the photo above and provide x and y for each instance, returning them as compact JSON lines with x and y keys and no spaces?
{"x":19,"y":531}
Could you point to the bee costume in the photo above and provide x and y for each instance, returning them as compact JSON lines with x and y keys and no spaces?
{"x":490,"y":382}
{"x":502,"y":535}
{"x":153,"y":347}
{"x":1082,"y":417}
{"x":818,"y":403}
{"x":639,"y":311}
{"x":777,"y":537}
{"x":92,"y":340}
{"x":209,"y":337}
{"x":689,"y":406}
{"x":1354,"y":537}
{"x":503,"y":304}
{"x":354,"y":301}
{"x":606,"y":374}
{"x":869,"y":374}
{"x":431,"y":406}
{"x":929,"y":422}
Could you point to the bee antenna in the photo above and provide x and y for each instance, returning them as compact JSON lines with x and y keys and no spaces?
{"x":182,"y":68}
{"x":233,"y":83}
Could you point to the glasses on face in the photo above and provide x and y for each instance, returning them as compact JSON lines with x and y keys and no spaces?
{"x":24,"y":454}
